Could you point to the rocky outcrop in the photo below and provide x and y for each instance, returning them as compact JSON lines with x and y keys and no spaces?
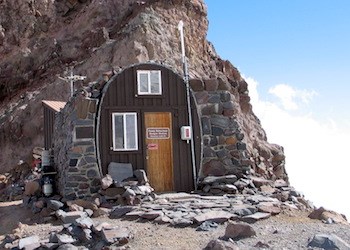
{"x":40,"y":39}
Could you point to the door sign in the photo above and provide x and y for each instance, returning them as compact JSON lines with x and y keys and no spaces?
{"x":152,"y":146}
{"x":158,"y":133}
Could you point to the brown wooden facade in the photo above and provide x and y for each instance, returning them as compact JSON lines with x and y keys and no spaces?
{"x":50,"y":110}
{"x":121,"y":95}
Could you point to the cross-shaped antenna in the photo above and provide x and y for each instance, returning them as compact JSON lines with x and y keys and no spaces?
{"x":71,"y":79}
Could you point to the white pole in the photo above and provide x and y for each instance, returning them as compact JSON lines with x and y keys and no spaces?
{"x":71,"y":82}
{"x":71,"y":79}
{"x":186,"y":79}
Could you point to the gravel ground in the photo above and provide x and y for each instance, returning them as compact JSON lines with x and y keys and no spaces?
{"x":288,"y":230}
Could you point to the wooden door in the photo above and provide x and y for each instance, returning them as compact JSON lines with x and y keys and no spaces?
{"x":159,"y":150}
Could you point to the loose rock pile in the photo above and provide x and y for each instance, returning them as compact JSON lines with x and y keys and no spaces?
{"x":12,"y":183}
{"x":242,"y":201}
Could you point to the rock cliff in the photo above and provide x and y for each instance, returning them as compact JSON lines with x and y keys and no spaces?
{"x":40,"y":39}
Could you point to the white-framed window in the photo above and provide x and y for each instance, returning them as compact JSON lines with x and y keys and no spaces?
{"x":124,"y":126}
{"x":149,"y":82}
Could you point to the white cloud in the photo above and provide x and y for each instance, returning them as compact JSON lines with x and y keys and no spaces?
{"x":289,"y":96}
{"x":316,"y":151}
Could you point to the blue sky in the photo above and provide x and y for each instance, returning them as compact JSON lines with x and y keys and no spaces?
{"x":295,"y":56}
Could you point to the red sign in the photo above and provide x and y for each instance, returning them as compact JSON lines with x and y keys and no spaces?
{"x":158,"y":133}
{"x":152,"y":146}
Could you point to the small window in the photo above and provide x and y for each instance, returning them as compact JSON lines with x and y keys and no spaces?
{"x":124,"y":131}
{"x":149,"y":82}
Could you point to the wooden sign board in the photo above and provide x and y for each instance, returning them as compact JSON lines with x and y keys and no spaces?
{"x":158,"y":133}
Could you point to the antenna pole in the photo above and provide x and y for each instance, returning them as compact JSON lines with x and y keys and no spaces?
{"x":186,"y":79}
{"x":71,"y":82}
{"x":71,"y":79}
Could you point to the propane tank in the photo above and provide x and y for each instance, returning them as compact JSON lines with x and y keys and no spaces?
{"x":47,"y":187}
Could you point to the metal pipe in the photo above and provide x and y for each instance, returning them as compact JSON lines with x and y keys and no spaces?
{"x":186,"y":79}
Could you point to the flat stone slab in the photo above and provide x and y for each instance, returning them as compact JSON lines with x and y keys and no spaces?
{"x":243,"y":210}
{"x":119,"y":212}
{"x":177,"y":196}
{"x":226,"y":179}
{"x":210,"y":205}
{"x":28,"y":241}
{"x":85,"y":222}
{"x":215,"y":216}
{"x":65,"y":239}
{"x":151,"y":215}
{"x":269,"y":208}
{"x":256,"y":199}
{"x":70,"y":217}
{"x":181,"y":222}
{"x":255,"y":217}
{"x":113,"y":235}
{"x":120,"y":171}
{"x":134,"y":214}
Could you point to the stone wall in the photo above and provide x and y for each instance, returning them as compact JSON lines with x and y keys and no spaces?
{"x":224,"y":152}
{"x":75,"y":149}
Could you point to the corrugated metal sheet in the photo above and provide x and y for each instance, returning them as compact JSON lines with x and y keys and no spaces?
{"x":54,"y":105}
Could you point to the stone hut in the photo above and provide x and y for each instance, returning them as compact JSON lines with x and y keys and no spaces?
{"x":136,"y":119}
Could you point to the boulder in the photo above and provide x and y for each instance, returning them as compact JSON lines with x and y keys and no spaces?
{"x":70,"y":217}
{"x":39,"y":204}
{"x":239,"y":231}
{"x":181,"y":222}
{"x":84,"y":222}
{"x":221,"y":245}
{"x":102,"y":225}
{"x":101,"y":212}
{"x":113,"y":193}
{"x":323,"y":214}
{"x":83,"y":203}
{"x":106,"y":181}
{"x":258,"y":181}
{"x":207,"y":226}
{"x":142,"y":190}
{"x":269,"y":208}
{"x":141,"y":176}
{"x":82,"y":234}
{"x":120,"y":171}
{"x":24,"y":242}
{"x":280,"y":183}
{"x":65,"y":239}
{"x":54,"y":204}
{"x":328,"y":242}
{"x":32,"y":188}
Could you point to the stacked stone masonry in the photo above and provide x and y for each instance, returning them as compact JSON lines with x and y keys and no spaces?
{"x":75,"y":152}
{"x":224,"y":152}
{"x":224,"y":148}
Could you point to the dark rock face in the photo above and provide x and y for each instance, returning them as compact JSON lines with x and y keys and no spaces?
{"x":39,"y":39}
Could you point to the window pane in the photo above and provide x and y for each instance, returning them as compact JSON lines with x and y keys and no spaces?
{"x":118,"y":132}
{"x":130,"y":131}
{"x":143,"y":81}
{"x":155,"y":82}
